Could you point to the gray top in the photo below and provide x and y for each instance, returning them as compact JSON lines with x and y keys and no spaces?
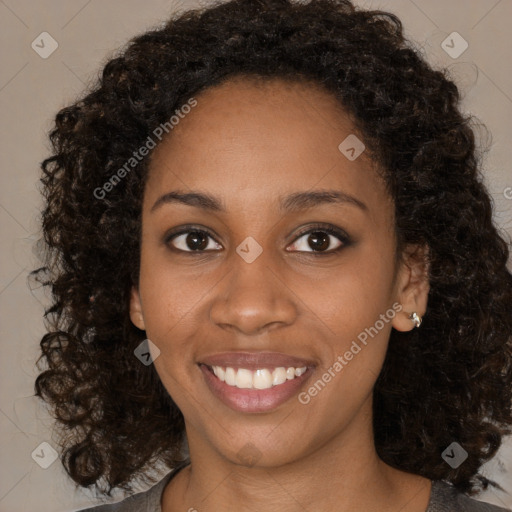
{"x":444,"y":498}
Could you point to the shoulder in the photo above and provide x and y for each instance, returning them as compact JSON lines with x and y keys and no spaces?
{"x":145,"y":501}
{"x":445,"y":498}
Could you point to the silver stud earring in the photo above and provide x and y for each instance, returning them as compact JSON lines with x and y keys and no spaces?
{"x":415,"y":318}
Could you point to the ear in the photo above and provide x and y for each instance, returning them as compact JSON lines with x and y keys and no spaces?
{"x":136,"y":315}
{"x":412,"y":286}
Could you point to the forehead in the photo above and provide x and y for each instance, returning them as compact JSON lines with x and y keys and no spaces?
{"x":260,"y":116}
{"x":253,"y":140}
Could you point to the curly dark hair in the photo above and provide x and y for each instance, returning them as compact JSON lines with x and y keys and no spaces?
{"x":450,"y":380}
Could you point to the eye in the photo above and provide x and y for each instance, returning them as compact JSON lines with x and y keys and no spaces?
{"x":191,"y":240}
{"x":321,"y":239}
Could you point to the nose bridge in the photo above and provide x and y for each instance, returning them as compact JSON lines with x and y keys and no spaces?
{"x":252,"y":297}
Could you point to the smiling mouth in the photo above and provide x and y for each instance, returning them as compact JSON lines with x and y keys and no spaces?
{"x":255,"y":383}
{"x":261,"y":378}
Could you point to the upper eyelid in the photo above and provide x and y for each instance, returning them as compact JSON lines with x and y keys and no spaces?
{"x":338,"y":233}
{"x":185,"y":231}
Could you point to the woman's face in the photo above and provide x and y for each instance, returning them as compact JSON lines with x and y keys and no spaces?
{"x":265,"y":287}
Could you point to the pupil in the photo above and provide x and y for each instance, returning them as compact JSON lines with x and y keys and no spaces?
{"x":319,"y":240}
{"x":195,"y":237}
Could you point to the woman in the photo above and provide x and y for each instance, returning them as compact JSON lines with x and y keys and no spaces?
{"x":269,"y":244}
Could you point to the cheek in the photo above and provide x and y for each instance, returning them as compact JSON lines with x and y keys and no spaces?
{"x":172,"y":301}
{"x":351,"y":296}
{"x":356,"y":306}
{"x":358,"y":312}
{"x":171,"y":294}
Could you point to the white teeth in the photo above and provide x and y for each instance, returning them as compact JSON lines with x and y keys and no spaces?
{"x":262,"y":379}
{"x":220,"y":373}
{"x":258,"y":379}
{"x":230,"y":377}
{"x":279,"y":376}
{"x":244,"y":379}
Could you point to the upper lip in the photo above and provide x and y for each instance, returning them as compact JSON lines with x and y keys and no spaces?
{"x":255,"y":360}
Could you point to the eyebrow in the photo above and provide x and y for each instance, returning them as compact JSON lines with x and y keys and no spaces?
{"x":291,"y":203}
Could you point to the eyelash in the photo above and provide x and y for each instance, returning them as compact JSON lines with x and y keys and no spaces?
{"x":323,"y":228}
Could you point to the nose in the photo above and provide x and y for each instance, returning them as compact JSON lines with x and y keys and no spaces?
{"x":253,"y":298}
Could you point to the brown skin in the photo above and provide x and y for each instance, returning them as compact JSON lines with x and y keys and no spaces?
{"x":249,"y":144}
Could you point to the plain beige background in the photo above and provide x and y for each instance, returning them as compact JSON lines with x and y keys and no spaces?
{"x":32,"y":89}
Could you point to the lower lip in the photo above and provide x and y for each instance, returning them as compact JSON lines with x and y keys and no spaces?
{"x":253,"y":400}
